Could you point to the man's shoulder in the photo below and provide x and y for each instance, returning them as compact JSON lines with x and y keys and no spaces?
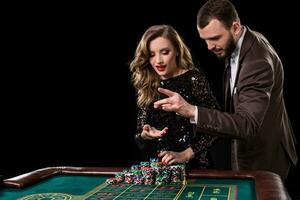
{"x":257,"y":48}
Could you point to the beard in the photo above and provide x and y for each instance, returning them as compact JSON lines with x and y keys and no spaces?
{"x":228,"y":49}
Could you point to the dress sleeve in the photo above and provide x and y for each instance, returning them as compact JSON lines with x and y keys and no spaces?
{"x":202,"y":93}
{"x":142,"y":118}
{"x":204,"y":97}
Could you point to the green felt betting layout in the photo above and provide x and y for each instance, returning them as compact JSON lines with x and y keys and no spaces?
{"x":152,"y":192}
{"x":69,"y":187}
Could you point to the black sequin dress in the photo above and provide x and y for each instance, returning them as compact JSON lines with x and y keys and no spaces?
{"x":194,"y":88}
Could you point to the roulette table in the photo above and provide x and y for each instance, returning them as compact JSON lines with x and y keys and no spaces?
{"x":66,"y":183}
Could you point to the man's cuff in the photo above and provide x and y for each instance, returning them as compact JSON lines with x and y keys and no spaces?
{"x":195,"y":119}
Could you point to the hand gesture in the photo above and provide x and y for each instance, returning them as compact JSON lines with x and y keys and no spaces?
{"x":175,"y":102}
{"x":150,"y":132}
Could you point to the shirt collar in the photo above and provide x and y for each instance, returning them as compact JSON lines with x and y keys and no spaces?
{"x":236,"y":53}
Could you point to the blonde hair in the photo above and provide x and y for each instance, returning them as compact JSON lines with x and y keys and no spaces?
{"x":144,"y":78}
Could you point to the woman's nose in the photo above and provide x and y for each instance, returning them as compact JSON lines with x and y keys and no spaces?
{"x":159,"y":59}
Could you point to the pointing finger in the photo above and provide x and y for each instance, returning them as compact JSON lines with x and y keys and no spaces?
{"x":167,"y":92}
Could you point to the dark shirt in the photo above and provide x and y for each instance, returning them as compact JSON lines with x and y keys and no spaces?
{"x":194,"y":88}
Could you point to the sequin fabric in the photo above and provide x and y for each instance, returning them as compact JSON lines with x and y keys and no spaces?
{"x":194,"y":88}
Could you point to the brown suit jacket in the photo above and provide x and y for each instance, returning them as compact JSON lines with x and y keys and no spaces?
{"x":256,"y":118}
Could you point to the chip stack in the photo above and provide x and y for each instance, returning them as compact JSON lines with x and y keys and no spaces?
{"x":153,"y":160}
{"x":164,"y":176}
{"x":158,"y":169}
{"x":128,"y":176}
{"x":120,"y":177}
{"x":149,"y":173}
{"x":135,"y":167}
{"x":182,"y":173}
{"x":138,"y":177}
{"x":111,"y":181}
{"x":144,"y":164}
{"x":176,"y":176}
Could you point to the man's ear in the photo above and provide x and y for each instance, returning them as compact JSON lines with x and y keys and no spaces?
{"x":236,"y":27}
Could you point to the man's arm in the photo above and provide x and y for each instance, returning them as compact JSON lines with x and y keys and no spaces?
{"x":175,"y":103}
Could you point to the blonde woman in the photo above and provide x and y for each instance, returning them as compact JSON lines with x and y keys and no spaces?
{"x":163,"y":60}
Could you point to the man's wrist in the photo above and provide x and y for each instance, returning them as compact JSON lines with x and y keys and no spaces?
{"x":194,"y":117}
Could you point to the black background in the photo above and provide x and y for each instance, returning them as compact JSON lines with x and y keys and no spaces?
{"x":68,"y":99}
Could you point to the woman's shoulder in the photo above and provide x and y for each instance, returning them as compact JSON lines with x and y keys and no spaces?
{"x":195,"y":75}
{"x":191,"y":73}
{"x":188,"y":77}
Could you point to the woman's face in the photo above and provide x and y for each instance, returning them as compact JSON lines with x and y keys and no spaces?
{"x":163,"y":58}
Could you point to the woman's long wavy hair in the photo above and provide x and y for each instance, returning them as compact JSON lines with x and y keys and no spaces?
{"x":144,"y":78}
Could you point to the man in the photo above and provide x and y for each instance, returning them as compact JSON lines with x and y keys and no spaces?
{"x":255,"y":115}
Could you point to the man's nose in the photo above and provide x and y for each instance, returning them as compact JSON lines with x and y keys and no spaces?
{"x":210,"y":45}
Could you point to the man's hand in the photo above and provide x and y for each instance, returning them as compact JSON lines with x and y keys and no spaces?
{"x":175,"y":102}
{"x":150,"y":132}
{"x":171,"y":157}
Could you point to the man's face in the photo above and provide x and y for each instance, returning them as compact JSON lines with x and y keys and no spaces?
{"x":218,"y":39}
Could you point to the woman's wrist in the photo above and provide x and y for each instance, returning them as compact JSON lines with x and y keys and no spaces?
{"x":188,"y":154}
{"x":139,"y":136}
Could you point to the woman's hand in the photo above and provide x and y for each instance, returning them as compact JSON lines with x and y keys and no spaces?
{"x":150,"y":132}
{"x":171,"y":157}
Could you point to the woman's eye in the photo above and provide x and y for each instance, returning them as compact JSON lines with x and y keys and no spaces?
{"x":166,"y":52}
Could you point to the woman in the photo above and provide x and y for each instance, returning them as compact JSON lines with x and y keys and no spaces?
{"x":163,"y":60}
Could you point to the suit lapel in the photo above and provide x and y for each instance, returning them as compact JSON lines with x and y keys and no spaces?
{"x":246,"y":45}
{"x":226,"y":85}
